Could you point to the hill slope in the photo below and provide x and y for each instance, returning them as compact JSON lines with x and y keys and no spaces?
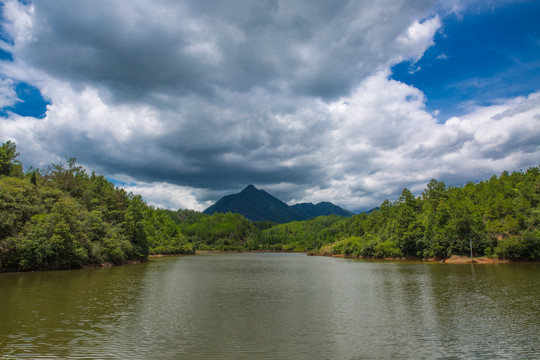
{"x":323,"y":208}
{"x":258,"y":205}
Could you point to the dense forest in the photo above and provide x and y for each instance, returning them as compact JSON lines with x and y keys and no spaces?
{"x":62,"y":217}
{"x":500,"y":217}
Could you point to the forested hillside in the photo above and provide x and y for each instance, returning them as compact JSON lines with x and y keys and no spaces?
{"x":304,"y":235}
{"x":221,"y":232}
{"x":258,"y":205}
{"x":62,"y":217}
{"x":501,"y":216}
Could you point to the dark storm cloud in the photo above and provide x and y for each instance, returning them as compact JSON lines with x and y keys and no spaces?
{"x":134,"y":50}
{"x":209,"y":96}
{"x":218,"y":155}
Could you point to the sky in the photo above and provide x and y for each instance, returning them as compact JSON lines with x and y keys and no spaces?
{"x":185,"y":101}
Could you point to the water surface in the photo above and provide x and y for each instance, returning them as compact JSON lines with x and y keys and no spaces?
{"x":273,"y":306}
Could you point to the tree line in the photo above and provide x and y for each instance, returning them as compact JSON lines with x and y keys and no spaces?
{"x":62,"y":217}
{"x":500,"y":217}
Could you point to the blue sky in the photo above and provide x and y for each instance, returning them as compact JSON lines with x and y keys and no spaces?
{"x":479,"y":56}
{"x":343,"y":101}
{"x":31,"y":102}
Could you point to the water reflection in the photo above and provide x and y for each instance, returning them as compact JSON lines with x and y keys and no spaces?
{"x":44,"y":311}
{"x":273,"y":306}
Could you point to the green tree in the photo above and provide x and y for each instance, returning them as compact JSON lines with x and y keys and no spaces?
{"x":9,"y":165}
{"x":136,"y":226}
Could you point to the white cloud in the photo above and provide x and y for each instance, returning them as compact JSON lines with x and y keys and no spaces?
{"x":442,"y":56}
{"x":417,"y":39}
{"x":8,"y":96}
{"x":384,"y":140}
{"x":167,"y":196}
{"x":191,"y":102}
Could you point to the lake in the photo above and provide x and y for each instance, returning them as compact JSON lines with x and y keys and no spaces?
{"x":273,"y":306}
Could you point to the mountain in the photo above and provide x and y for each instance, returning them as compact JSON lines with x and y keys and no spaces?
{"x":323,"y":208}
{"x":254,"y":204}
{"x":258,"y":205}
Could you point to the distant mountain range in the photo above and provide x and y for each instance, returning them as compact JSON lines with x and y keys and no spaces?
{"x":258,"y":205}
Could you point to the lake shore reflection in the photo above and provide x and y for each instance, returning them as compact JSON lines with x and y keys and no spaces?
{"x":273,"y":306}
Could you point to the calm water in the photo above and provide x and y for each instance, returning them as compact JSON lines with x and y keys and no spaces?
{"x":273,"y":306}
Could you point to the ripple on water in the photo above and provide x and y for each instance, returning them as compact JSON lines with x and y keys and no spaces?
{"x":273,"y":306}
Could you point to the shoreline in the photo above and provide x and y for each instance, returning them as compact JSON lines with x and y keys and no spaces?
{"x":454,"y":259}
{"x":166,"y":255}
{"x":109,"y":264}
{"x":244,"y":251}
{"x":87,"y":266}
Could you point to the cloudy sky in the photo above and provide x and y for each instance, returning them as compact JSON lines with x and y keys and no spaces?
{"x":184,"y":101}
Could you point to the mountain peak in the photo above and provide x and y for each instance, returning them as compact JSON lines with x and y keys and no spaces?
{"x":250,"y":188}
{"x":257,"y":205}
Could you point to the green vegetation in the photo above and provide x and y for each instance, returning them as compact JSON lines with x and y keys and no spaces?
{"x":303,"y":235}
{"x":62,"y":217}
{"x":500,"y":216}
{"x":218,"y":232}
